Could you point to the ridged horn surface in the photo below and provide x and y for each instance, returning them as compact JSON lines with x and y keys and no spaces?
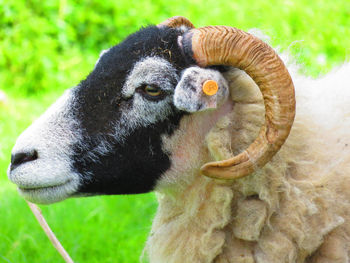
{"x":222,"y":45}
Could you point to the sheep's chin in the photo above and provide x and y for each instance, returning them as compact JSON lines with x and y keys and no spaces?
{"x":49,"y":194}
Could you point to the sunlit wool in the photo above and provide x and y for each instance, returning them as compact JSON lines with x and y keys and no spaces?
{"x":295,"y":209}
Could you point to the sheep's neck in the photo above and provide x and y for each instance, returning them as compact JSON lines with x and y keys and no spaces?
{"x":193,"y":210}
{"x":189,"y":225}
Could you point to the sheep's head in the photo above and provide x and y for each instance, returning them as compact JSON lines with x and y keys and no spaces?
{"x":107,"y":135}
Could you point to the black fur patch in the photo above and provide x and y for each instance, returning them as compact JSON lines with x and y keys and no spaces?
{"x":131,"y":167}
{"x":134,"y":163}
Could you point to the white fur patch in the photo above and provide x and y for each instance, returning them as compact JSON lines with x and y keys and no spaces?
{"x":151,"y":71}
{"x":49,"y":178}
{"x":326,"y":98}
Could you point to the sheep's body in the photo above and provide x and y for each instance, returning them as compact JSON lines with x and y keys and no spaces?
{"x":295,"y":209}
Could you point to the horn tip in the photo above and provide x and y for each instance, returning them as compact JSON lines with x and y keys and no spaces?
{"x":216,"y":172}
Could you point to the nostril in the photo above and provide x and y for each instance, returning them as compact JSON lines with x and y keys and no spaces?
{"x":23,"y":157}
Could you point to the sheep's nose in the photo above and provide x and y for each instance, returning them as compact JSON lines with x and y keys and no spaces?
{"x":23,"y":157}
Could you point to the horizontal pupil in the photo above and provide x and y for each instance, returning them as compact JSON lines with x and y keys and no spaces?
{"x":150,"y":89}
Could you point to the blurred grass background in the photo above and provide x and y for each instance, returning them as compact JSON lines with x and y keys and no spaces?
{"x":48,"y":46}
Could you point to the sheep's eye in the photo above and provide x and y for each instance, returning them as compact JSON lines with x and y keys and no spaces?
{"x":152,"y":91}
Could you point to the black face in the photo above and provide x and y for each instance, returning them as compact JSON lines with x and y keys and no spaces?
{"x":123,"y":116}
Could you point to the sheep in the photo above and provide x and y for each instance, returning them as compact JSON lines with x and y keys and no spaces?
{"x":140,"y":122}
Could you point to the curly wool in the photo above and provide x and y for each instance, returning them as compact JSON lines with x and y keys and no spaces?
{"x":295,"y":209}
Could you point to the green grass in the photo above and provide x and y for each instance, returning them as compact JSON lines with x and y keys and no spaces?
{"x":47,"y":46}
{"x":99,"y":229}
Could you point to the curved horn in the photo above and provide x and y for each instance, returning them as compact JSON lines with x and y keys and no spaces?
{"x":221,"y":45}
{"x":177,"y":21}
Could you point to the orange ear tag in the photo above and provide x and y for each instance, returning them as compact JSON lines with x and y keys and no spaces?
{"x":210,"y":87}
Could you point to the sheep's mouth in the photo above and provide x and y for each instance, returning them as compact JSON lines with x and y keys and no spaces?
{"x":48,"y":194}
{"x":51,"y":187}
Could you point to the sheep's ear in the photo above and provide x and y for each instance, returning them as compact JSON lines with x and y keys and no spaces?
{"x":189,"y":93}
